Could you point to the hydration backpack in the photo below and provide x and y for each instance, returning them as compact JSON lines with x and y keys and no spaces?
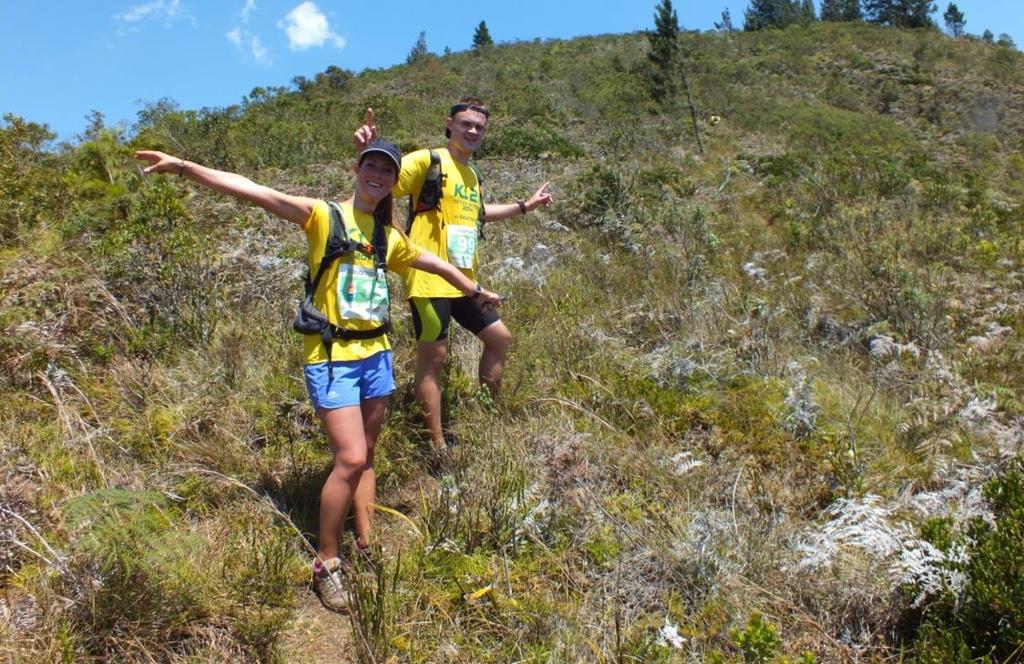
{"x":309,"y":319}
{"x":433,"y":190}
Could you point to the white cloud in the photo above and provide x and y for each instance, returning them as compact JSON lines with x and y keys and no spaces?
{"x":171,"y":11}
{"x":249,"y":6}
{"x":249,"y":45}
{"x":307,"y":26}
{"x":259,"y":52}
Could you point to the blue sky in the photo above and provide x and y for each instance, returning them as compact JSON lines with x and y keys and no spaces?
{"x":59,"y":60}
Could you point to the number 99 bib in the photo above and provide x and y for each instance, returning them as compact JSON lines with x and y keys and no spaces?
{"x":461,"y":245}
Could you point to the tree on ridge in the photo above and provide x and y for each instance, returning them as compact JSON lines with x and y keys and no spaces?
{"x":954,"y":19}
{"x":482,"y":36}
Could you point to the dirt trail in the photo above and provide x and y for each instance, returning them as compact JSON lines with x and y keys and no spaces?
{"x":318,"y":635}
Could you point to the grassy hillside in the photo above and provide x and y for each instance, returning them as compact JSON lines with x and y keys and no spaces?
{"x":764,"y":403}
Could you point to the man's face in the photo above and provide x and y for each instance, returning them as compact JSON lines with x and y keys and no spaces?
{"x":467,"y":129}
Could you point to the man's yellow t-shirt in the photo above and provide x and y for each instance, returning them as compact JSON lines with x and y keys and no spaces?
{"x":451,"y":231}
{"x":355,"y":269}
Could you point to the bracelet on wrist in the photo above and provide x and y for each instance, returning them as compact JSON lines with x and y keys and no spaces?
{"x":476,"y":293}
{"x":182,"y":167}
{"x":522,"y":207}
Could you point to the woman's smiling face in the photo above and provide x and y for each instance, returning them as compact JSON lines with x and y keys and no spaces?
{"x":375,"y":176}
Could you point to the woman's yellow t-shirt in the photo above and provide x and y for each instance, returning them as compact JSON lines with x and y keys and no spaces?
{"x":451,"y":231}
{"x":359,"y":226}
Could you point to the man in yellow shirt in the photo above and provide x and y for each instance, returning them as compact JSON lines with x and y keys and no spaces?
{"x":451,"y":229}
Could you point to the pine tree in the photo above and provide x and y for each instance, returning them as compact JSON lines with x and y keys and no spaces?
{"x":880,"y":11}
{"x":954,"y":19}
{"x":988,"y":36}
{"x":419,"y":49}
{"x":726,"y":24}
{"x":764,"y":14}
{"x":666,"y":57}
{"x":900,"y":13}
{"x":807,"y":13}
{"x":840,"y":10}
{"x":482,"y":36}
{"x":664,"y":54}
{"x":1006,"y":40}
{"x":918,"y":13}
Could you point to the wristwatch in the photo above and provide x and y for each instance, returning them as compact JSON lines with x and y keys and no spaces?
{"x":476,"y":293}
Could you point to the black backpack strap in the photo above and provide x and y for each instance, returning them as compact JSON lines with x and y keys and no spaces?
{"x":380,"y":260}
{"x":349,"y":335}
{"x":476,"y":171}
{"x":337,"y":245}
{"x":380,"y":246}
{"x":430,"y":193}
{"x":337,"y":232}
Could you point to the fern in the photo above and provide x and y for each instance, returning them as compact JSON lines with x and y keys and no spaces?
{"x":114,"y":525}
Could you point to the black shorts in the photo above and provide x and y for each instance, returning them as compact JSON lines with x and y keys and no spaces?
{"x":431,"y":316}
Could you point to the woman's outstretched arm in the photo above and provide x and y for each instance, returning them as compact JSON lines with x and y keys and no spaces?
{"x":295,"y":209}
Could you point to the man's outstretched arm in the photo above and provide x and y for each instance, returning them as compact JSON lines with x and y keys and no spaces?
{"x":499,"y":211}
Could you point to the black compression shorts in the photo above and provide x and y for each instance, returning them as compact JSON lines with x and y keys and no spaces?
{"x":431,"y":316}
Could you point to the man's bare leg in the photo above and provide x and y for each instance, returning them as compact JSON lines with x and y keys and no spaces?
{"x":430,"y":356}
{"x":497,"y":339}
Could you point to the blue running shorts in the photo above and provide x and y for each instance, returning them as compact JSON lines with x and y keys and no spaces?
{"x":353,"y":381}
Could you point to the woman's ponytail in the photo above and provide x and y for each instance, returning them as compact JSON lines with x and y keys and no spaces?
{"x":384,"y":214}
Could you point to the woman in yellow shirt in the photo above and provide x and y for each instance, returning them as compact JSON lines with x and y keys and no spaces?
{"x":349,"y":380}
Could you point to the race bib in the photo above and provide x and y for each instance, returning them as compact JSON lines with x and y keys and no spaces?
{"x":362,"y":293}
{"x":461,"y":245}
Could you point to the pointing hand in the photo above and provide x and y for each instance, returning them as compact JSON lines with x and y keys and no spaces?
{"x":540,"y":197}
{"x":367,"y":133}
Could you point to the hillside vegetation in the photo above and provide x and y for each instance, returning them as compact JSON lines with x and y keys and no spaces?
{"x":764,"y":403}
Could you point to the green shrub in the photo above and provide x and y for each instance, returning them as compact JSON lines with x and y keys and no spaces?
{"x":158,"y":261}
{"x":484,"y":510}
{"x":513,"y":140}
{"x":121,"y":550}
{"x":758,"y":641}
{"x":986,"y":622}
{"x":600,"y":191}
{"x":200,"y":136}
{"x":31,"y":185}
{"x":375,"y":604}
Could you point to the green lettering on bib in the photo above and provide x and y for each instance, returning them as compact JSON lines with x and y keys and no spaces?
{"x":461,"y":245}
{"x":362,"y":293}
